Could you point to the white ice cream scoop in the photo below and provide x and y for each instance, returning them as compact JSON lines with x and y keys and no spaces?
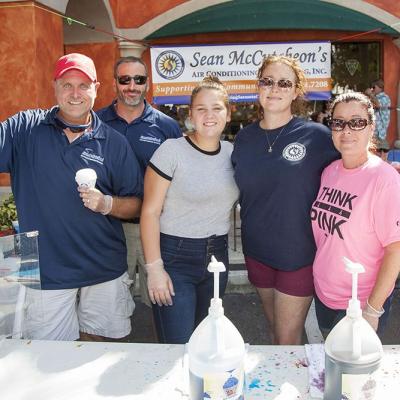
{"x":86,"y":177}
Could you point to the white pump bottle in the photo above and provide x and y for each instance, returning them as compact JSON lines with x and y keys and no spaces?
{"x":353,"y":350}
{"x":216,"y":352}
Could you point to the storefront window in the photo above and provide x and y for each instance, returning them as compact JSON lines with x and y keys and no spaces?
{"x":177,"y":112}
{"x":355,"y":66}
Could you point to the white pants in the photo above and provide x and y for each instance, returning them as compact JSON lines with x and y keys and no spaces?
{"x":103,"y":309}
{"x":136,"y":258}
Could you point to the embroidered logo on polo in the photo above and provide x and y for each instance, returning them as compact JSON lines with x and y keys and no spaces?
{"x":294,"y":151}
{"x":88,"y":155}
{"x":332,"y":209}
{"x":150,"y":139}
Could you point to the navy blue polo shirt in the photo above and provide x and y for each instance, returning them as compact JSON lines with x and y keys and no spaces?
{"x":144,"y":134}
{"x":278,"y":188}
{"x":77,"y":247}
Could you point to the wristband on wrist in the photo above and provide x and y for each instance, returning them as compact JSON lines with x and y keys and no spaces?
{"x":108,"y":203}
{"x":372,"y":312}
{"x":157,"y":263}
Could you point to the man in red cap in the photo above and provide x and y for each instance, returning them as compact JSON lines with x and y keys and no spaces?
{"x":85,"y":287}
{"x":78,"y":62}
{"x":79,"y":69}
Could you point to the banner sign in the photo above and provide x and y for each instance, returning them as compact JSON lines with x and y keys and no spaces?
{"x":176,"y":71}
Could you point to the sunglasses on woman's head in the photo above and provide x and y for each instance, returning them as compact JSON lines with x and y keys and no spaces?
{"x":126,"y":79}
{"x":355,"y":124}
{"x":269,"y":83}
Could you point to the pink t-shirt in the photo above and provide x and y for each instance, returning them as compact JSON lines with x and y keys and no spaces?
{"x":356,"y":214}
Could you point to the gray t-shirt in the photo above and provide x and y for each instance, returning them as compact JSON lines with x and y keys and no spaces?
{"x":202,"y":190}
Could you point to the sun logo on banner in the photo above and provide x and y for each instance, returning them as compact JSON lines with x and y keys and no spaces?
{"x":170,"y":64}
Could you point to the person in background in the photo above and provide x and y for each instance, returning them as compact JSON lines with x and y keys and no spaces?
{"x":145,"y":128}
{"x":324,"y":115}
{"x":354,"y":216}
{"x":189,"y":194}
{"x":382,"y":149}
{"x":85,"y":287}
{"x":278,"y":162}
{"x":381,"y":102}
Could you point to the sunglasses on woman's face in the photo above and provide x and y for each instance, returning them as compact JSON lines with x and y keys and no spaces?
{"x":126,"y":79}
{"x":355,"y":124}
{"x":283,"y":84}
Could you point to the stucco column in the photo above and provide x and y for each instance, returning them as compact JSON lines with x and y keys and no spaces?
{"x":131,"y":49}
{"x":31,"y":42}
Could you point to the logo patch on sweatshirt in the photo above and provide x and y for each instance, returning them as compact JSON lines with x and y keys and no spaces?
{"x":294,"y":151}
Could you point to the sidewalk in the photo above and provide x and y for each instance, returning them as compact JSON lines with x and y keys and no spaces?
{"x":245,"y":311}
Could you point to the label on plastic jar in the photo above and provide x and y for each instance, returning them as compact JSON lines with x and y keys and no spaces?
{"x":360,"y":386}
{"x":225,"y":385}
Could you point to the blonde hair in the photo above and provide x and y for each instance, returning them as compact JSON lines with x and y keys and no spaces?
{"x":298,"y":71}
{"x":211,"y":82}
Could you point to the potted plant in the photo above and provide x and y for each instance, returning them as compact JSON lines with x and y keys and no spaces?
{"x":8,"y":214}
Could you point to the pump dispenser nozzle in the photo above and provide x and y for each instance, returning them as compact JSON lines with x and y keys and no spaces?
{"x":354,"y":308}
{"x":216,"y":303}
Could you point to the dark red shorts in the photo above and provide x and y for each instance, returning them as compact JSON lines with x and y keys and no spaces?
{"x":294,"y":283}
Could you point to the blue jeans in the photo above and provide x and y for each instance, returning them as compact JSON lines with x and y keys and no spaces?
{"x":186,"y":261}
{"x":328,"y":317}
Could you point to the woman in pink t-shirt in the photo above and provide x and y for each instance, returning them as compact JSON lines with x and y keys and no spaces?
{"x":355,"y":215}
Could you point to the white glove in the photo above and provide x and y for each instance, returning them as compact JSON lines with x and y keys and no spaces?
{"x":95,"y":200}
{"x":371,"y":315}
{"x":159,"y":284}
{"x":372,"y":320}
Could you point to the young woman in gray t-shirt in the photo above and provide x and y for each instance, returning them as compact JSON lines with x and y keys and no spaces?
{"x":188,"y":195}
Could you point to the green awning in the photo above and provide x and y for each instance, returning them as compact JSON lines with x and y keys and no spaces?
{"x":250,"y":15}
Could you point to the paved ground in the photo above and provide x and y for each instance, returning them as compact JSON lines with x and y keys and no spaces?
{"x":244,"y":310}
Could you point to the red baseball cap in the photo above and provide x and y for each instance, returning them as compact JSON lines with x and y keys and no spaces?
{"x":75,"y":61}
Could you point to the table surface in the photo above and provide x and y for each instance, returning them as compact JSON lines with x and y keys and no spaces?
{"x":51,"y":370}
